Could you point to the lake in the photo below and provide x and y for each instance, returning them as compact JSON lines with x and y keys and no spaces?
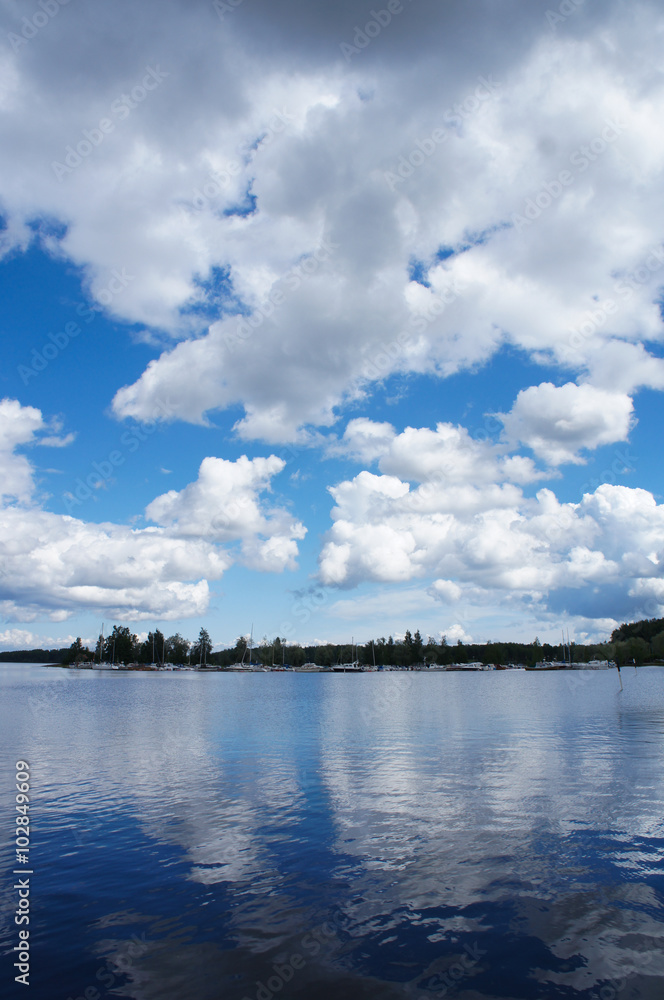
{"x":382,"y":835}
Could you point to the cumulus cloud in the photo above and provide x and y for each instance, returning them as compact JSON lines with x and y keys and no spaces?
{"x":446,"y":591}
{"x":292,"y":225}
{"x":558,"y":422}
{"x":18,"y":638}
{"x":364,"y":440}
{"x":607,"y":550}
{"x":57,"y":565}
{"x":447,"y":456}
{"x":21,"y":426}
{"x":18,"y":426}
{"x":457,"y":633}
{"x":223,"y":505}
{"x":451,"y":508}
{"x":302,"y":197}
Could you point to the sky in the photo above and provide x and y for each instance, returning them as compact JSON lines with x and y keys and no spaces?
{"x":329,"y":319}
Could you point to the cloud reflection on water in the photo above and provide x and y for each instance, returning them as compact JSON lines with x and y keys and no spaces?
{"x":501,"y":811}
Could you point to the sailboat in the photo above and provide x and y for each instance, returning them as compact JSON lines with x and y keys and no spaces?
{"x":250,"y":649}
{"x":102,"y":665}
{"x":351,"y":667}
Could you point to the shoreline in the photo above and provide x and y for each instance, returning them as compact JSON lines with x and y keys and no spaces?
{"x":316,"y":669}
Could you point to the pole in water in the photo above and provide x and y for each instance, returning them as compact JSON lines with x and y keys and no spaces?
{"x":619,"y":675}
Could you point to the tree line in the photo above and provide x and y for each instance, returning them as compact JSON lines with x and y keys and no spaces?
{"x":635,"y":642}
{"x":628,"y":644}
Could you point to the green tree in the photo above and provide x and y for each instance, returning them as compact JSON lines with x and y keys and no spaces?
{"x":202,"y":647}
{"x":657,"y":645}
{"x":177,"y":648}
{"x":264,"y":652}
{"x":152,"y":650}
{"x":240,"y":649}
{"x":120,"y":645}
{"x":637,"y":650}
{"x":295,"y":655}
{"x":77,"y":652}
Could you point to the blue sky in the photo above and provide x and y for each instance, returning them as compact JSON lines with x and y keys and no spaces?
{"x":335,"y":342}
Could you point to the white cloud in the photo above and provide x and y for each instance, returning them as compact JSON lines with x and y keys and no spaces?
{"x":445,"y":591}
{"x":21,"y":426}
{"x":607,"y":551}
{"x":18,"y":426}
{"x":364,"y":440}
{"x":445,"y":457}
{"x":144,"y":203}
{"x":17,"y":638}
{"x":456,"y":633}
{"x":352,"y":199}
{"x":223,"y":505}
{"x":557,"y":422}
{"x":57,"y":565}
{"x":620,"y":367}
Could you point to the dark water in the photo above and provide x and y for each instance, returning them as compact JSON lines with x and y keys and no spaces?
{"x":332,"y":836}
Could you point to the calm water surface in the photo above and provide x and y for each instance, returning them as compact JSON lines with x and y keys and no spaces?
{"x":335,"y":836}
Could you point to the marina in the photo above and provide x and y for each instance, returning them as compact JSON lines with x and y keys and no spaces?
{"x":353,"y":667}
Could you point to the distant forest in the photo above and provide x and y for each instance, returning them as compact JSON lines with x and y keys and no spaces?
{"x":636,"y":642}
{"x":34,"y":656}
